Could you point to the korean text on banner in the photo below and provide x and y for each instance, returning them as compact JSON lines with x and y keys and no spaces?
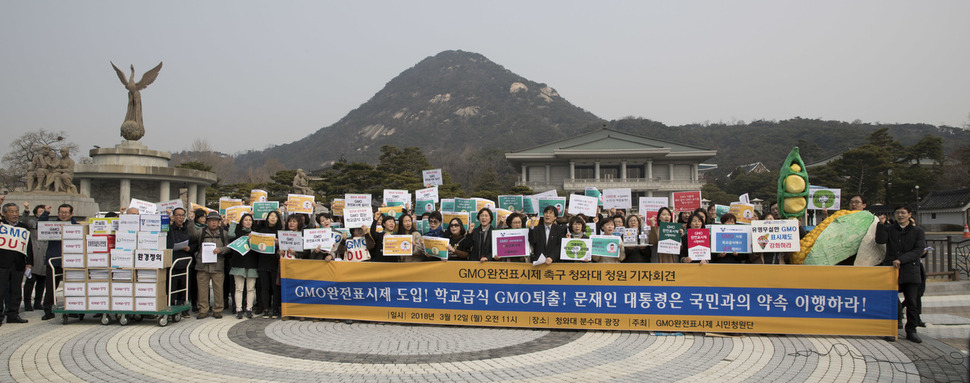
{"x":357,"y":217}
{"x":649,"y":206}
{"x":777,"y":235}
{"x":579,"y":204}
{"x":687,"y":201}
{"x":617,"y":198}
{"x":510,"y":243}
{"x":857,"y":301}
{"x":432,"y":177}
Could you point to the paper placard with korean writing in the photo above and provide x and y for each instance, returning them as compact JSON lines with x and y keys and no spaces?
{"x":357,"y":250}
{"x":605,"y":246}
{"x":510,"y":202}
{"x":398,"y":245}
{"x":510,"y":243}
{"x":432,"y":177}
{"x":579,"y":204}
{"x":687,"y":201}
{"x":465,"y":205}
{"x":240,"y":245}
{"x":699,"y":244}
{"x":357,"y":200}
{"x":171,"y":205}
{"x":649,"y":206}
{"x":208,"y":252}
{"x":777,"y":235}
{"x":144,"y":207}
{"x":49,"y":230}
{"x":448,"y":204}
{"x":392,"y":195}
{"x":225,"y":203}
{"x":743,"y":213}
{"x":427,"y":194}
{"x":731,"y":238}
{"x":317,"y":239}
{"x":300,"y":203}
{"x":258,"y":195}
{"x":575,"y":249}
{"x":423,"y":206}
{"x":261,"y":210}
{"x":235,"y":213}
{"x":558,"y":202}
{"x":290,"y":240}
{"x":337,"y":207}
{"x":262,"y":242}
{"x":617,"y":198}
{"x":357,"y":217}
{"x":669,"y":238}
{"x":436,"y":247}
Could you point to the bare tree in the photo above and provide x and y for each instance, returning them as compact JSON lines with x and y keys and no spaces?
{"x":22,"y":151}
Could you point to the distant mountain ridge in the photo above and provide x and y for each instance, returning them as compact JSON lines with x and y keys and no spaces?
{"x":463,"y":111}
{"x":455,"y":102}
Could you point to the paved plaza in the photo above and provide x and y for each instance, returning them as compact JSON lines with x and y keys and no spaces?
{"x":228,"y":349}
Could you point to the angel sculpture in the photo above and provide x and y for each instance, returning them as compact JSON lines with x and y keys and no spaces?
{"x":133,"y":128}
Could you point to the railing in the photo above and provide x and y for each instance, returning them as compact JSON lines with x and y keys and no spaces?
{"x":949,"y":258}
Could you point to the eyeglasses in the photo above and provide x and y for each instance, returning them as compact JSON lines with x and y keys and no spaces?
{"x":855,"y":202}
{"x":434,"y":221}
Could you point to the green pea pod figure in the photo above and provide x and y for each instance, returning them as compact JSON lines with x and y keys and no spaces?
{"x":792,"y":186}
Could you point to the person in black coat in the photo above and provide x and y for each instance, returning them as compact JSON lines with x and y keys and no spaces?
{"x":904,"y":245}
{"x":546,"y":237}
{"x":477,"y":245}
{"x":178,"y":233}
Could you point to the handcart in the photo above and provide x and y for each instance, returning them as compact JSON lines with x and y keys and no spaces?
{"x":123,"y":316}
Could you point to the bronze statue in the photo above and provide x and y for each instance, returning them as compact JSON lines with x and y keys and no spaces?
{"x":133,"y":128}
{"x":300,"y":183}
{"x":40,"y":168}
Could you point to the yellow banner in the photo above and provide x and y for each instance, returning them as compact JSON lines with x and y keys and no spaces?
{"x":833,"y":300}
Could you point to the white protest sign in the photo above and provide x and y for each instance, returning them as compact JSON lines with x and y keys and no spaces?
{"x":73,"y":231}
{"x":357,"y":217}
{"x":144,"y":207}
{"x":290,"y":240}
{"x":357,"y":200}
{"x":429,"y":194}
{"x":617,"y":198}
{"x":170,"y":205}
{"x":357,"y":250}
{"x":777,"y":235}
{"x":545,"y":194}
{"x":651,"y":204}
{"x":579,"y":204}
{"x":432,"y":177}
{"x":129,"y":222}
{"x":391,"y":195}
{"x":824,"y":198}
{"x":318,"y":238}
{"x":49,"y":230}
{"x":208,"y":255}
{"x":744,"y":198}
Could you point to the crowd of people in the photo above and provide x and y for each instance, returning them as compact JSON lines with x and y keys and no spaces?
{"x":249,"y":283}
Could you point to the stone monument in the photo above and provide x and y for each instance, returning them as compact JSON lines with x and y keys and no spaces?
{"x":300,"y":183}
{"x":133,"y":129}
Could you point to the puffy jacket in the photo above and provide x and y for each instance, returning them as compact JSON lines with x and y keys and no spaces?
{"x":905,"y":244}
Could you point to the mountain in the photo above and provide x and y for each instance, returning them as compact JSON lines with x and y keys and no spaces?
{"x":452,"y":104}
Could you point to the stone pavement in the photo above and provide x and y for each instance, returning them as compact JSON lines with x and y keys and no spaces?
{"x":228,"y":349}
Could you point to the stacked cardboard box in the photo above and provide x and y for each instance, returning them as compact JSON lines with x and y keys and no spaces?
{"x":116,"y":264}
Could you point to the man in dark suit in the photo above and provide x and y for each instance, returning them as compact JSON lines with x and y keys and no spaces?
{"x":546,"y":237}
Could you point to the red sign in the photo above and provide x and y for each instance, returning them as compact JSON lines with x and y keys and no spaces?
{"x":687,"y":201}
{"x":699,"y":244}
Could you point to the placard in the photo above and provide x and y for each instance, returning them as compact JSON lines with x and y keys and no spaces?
{"x":49,"y":230}
{"x":575,"y":249}
{"x":430,"y":193}
{"x":392,"y":195}
{"x":594,"y":192}
{"x":649,"y":206}
{"x":97,"y":244}
{"x":465,"y":205}
{"x":316,"y":239}
{"x":149,"y":222}
{"x":448,"y":204}
{"x":436,"y":247}
{"x":482,"y":203}
{"x":235,"y":213}
{"x":261,"y":210}
{"x":357,"y":250}
{"x":69,"y":231}
{"x":262,"y":242}
{"x":357,"y":201}
{"x":447,"y":217}
{"x":357,"y":217}
{"x":720,"y":210}
{"x":558,"y":202}
{"x":208,"y":253}
{"x":630,"y":235}
{"x":240,"y":245}
{"x":196,"y":206}
{"x":171,"y":205}
{"x":337,"y":207}
{"x":699,"y":244}
{"x":824,"y":198}
{"x":605,"y":246}
{"x":290,"y":240}
{"x":584,"y":205}
{"x":502,"y":215}
{"x":258,"y":195}
{"x":687,"y":201}
{"x":775,"y":236}
{"x":398,"y":245}
{"x":225,"y":203}
{"x":423,"y":206}
{"x":510,"y":202}
{"x":617,"y":198}
{"x":14,"y":238}
{"x":393,"y":211}
{"x":668,"y":241}
{"x":300,"y":203}
{"x":144,"y":207}
{"x":530,"y":204}
{"x":731,"y":238}
{"x":743,"y":213}
{"x":510,"y":243}
{"x":101,"y":225}
{"x":432,"y":177}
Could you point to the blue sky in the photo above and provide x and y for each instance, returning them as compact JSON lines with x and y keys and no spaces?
{"x":245,"y":75}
